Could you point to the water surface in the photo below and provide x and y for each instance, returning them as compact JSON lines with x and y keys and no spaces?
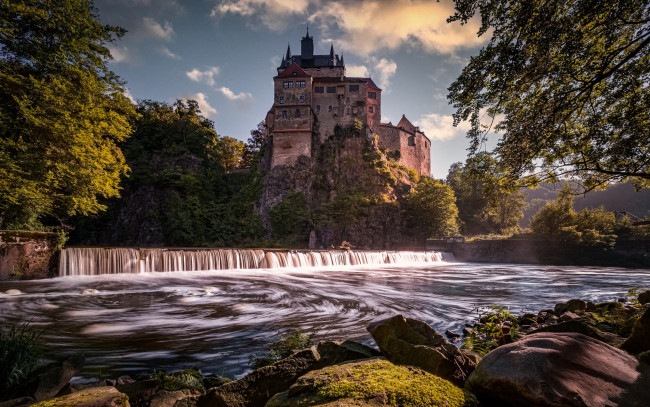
{"x":212,"y":320}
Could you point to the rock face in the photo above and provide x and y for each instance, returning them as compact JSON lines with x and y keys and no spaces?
{"x":410,"y":342}
{"x":570,"y":306}
{"x":372,"y":382}
{"x":639,"y":340}
{"x":257,"y":388}
{"x":106,"y":396}
{"x":560,"y":369}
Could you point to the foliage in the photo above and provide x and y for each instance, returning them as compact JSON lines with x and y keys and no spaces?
{"x":483,"y":206}
{"x":432,"y":209}
{"x":183,"y":380}
{"x":288,"y":343}
{"x":20,"y":352}
{"x":254,"y":145}
{"x":290,"y":219}
{"x":62,"y":112}
{"x":227,"y":151}
{"x":402,"y":386}
{"x":633,"y":296}
{"x":496,"y":327}
{"x":616,"y":316}
{"x":590,"y":226}
{"x":566,"y":83}
{"x":179,"y":181}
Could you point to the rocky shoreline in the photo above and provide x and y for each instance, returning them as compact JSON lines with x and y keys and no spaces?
{"x":575,"y":354}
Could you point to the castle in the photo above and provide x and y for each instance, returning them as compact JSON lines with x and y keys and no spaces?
{"x":312,"y":95}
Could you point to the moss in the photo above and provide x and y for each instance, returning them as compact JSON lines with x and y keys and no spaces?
{"x":402,"y":386}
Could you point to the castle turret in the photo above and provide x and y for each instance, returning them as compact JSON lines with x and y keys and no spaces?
{"x":307,"y":47}
{"x":288,"y":58}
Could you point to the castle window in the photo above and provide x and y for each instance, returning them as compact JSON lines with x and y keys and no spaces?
{"x":284,"y":114}
{"x":347,"y":100}
{"x":281,"y":100}
{"x":370,"y":109}
{"x":354,"y":88}
{"x":347,"y":110}
{"x":297,"y":113}
{"x":300,"y":84}
{"x":411,"y":140}
{"x":317,"y":108}
{"x":329,"y":108}
{"x":331,"y":89}
{"x":319,"y":89}
{"x":302,"y":99}
{"x":288,"y":85}
{"x":372,"y":95}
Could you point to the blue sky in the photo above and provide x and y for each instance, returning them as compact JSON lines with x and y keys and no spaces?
{"x":223,"y":53}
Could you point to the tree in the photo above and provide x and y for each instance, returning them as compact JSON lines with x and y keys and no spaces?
{"x":482,"y":207}
{"x":431,"y":209}
{"x":554,"y":216}
{"x":62,"y":112}
{"x":566,"y":82}
{"x":227,"y":151}
{"x":254,"y":144}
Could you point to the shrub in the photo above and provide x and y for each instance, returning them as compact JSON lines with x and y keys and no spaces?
{"x":496,"y":327}
{"x":283,"y":348}
{"x":20,"y":352}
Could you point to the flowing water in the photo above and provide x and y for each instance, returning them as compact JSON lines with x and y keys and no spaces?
{"x":212,"y":320}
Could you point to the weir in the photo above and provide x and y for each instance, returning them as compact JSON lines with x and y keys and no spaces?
{"x":84,"y":261}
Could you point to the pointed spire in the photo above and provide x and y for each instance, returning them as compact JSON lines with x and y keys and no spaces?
{"x":307,"y":31}
{"x":332,"y":51}
{"x":288,"y":52}
{"x":342,"y":63}
{"x":283,"y":61}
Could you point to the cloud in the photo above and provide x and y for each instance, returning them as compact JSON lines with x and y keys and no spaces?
{"x":155,"y":29}
{"x":386,"y":69}
{"x":368,"y":26}
{"x":204,"y":106}
{"x":441,"y":126}
{"x":244,"y":97}
{"x":166,"y":52}
{"x":206,"y":76}
{"x":357,"y":71}
{"x":127,"y":94}
{"x":119,"y":54}
{"x":274,"y":14}
{"x":275,"y":63}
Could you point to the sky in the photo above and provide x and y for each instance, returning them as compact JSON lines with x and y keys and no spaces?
{"x":224,"y":54}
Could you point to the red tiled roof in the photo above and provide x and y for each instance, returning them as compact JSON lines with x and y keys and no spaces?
{"x":293,"y":71}
{"x":372,"y":84}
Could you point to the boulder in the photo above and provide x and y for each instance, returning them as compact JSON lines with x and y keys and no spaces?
{"x":106,"y":396}
{"x":256,"y":388}
{"x":166,"y":398}
{"x":406,"y":341}
{"x":644,"y":297}
{"x":140,"y":392}
{"x":582,"y":328}
{"x":19,"y":402}
{"x":571,"y":306}
{"x":568,"y":316}
{"x":372,"y":382}
{"x":47,"y":381}
{"x":560,"y":369}
{"x":639,"y":340}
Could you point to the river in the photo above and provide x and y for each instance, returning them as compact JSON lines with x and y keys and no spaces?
{"x":213,"y":320}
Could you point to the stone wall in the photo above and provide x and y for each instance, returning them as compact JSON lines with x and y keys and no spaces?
{"x":414,"y":147}
{"x":626,"y":253}
{"x":28,"y":255}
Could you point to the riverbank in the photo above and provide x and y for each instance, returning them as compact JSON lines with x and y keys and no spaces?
{"x":27,"y":255}
{"x":502,"y":362}
{"x":623,"y":253}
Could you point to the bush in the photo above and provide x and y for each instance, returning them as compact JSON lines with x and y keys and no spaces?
{"x":20,"y":352}
{"x":285,"y":347}
{"x":496,"y":327}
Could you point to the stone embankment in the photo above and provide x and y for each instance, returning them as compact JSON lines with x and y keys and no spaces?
{"x":28,"y":254}
{"x":575,"y":354}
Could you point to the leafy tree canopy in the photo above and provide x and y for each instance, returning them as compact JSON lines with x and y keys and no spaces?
{"x":483,"y":209}
{"x":432,"y":209}
{"x":567,"y":84}
{"x":62,"y":112}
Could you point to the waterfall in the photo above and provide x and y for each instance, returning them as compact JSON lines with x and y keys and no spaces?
{"x":82,"y":261}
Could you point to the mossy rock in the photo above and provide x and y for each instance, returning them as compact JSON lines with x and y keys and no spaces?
{"x":106,"y":396}
{"x":372,"y":382}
